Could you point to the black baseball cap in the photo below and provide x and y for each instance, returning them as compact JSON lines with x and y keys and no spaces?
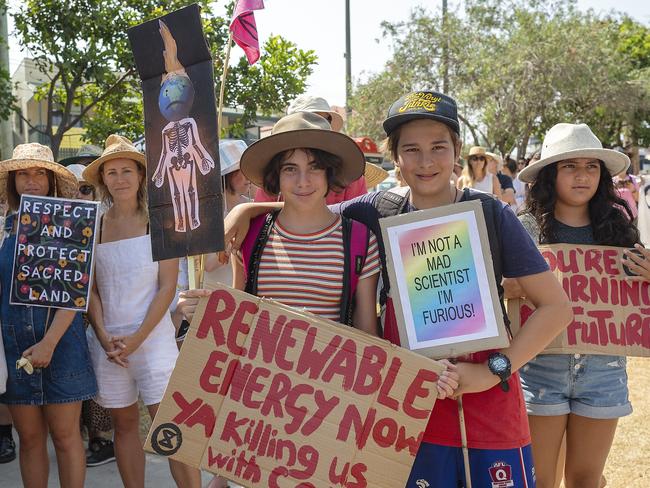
{"x":423,"y":105}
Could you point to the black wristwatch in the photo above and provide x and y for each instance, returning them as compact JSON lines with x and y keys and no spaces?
{"x":499,"y":365}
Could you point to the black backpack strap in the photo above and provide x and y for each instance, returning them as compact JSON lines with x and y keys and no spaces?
{"x":492,"y":209}
{"x":256,"y":253}
{"x":345,"y":316}
{"x":389,"y":203}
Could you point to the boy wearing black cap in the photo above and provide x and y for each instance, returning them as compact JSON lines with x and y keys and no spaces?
{"x":423,"y":138}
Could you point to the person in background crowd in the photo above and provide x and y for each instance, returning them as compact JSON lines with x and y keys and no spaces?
{"x":572,"y":200}
{"x":94,"y":418}
{"x":494,"y":166}
{"x":424,"y":140}
{"x":475,"y":174}
{"x":510,"y":169}
{"x":45,"y":394}
{"x":319,"y":106}
{"x":628,"y":189}
{"x":235,"y":185}
{"x":132,"y":347}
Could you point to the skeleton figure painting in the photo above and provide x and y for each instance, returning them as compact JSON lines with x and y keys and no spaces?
{"x":184,"y":192}
{"x":182,"y":151}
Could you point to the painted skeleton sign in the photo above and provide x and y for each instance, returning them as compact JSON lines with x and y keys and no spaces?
{"x":181,"y":134}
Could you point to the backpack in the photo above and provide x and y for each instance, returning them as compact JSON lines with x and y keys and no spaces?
{"x":394,"y":202}
{"x":355,"y":249}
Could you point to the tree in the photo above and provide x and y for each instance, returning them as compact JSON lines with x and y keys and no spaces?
{"x":517,"y":67}
{"x":81,"y":48}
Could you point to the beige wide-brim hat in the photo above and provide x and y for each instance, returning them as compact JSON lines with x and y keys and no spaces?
{"x":477,"y":151}
{"x":117,"y":147}
{"x":35,"y":155}
{"x":571,"y":141}
{"x":306,"y":103}
{"x":374,"y":175}
{"x":302,"y":130}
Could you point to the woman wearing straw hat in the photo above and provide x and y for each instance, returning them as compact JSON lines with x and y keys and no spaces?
{"x":133,"y":348}
{"x":476,"y":175}
{"x":572,"y":200}
{"x":47,"y":398}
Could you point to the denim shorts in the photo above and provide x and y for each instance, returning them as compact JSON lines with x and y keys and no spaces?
{"x":589,"y":385}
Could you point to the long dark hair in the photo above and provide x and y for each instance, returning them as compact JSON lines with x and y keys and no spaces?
{"x":610,"y":215}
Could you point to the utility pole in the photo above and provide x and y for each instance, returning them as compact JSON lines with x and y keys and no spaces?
{"x":6,"y":133}
{"x":445,"y":49}
{"x":348,"y":59}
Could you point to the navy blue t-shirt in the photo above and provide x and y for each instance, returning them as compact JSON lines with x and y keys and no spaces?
{"x":519,"y":254}
{"x":505,"y":181}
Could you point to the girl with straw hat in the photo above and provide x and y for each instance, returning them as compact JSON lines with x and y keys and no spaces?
{"x":133,"y":348}
{"x":572,"y":200}
{"x":46,"y":394}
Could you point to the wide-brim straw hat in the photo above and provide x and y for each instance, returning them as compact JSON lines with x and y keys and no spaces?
{"x":302,"y":130}
{"x":571,"y":141}
{"x":35,"y":155}
{"x":117,"y":147}
{"x":374,"y":175}
{"x":306,"y":103}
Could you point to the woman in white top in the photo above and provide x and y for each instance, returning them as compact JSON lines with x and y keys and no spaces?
{"x":475,"y":174}
{"x":133,"y":348}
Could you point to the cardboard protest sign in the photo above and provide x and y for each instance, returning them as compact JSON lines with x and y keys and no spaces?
{"x":55,"y":240}
{"x":269,"y":397}
{"x":442,"y":281}
{"x":181,"y":134}
{"x":611,"y":315}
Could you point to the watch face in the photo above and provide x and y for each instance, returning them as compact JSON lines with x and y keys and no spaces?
{"x":499,"y":363}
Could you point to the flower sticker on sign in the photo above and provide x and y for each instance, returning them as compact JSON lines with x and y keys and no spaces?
{"x":442,"y":281}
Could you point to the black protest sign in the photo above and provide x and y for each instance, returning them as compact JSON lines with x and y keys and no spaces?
{"x":181,"y":134}
{"x":53,"y":261}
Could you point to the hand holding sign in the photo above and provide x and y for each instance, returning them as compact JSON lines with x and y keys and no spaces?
{"x":637,"y":261}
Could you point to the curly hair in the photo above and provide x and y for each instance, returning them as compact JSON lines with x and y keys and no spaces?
{"x":610,"y":215}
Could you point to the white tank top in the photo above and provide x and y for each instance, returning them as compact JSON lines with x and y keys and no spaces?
{"x":485,"y":184}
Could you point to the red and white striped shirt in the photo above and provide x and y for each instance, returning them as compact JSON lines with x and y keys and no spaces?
{"x":306,"y":270}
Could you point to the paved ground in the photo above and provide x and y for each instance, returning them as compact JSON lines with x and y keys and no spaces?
{"x":105,"y":476}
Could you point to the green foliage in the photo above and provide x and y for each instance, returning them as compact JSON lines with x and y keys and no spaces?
{"x":517,"y":67}
{"x":82,"y":50}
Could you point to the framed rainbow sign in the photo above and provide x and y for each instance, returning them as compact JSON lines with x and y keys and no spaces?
{"x":442,"y":281}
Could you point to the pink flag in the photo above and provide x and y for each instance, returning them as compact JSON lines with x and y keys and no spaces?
{"x":244,"y":30}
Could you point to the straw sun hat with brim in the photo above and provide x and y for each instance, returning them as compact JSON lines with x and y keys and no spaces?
{"x":572,"y":141}
{"x":477,"y":151}
{"x":117,"y":147}
{"x":34,"y":155}
{"x":306,"y":103}
{"x":302,"y":130}
{"x":374,"y":175}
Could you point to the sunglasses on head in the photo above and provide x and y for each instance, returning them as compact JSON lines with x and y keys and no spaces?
{"x":86,"y":189}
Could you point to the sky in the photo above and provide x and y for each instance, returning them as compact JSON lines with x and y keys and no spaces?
{"x":320,"y":25}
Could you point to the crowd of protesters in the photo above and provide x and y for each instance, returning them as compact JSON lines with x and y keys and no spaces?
{"x":296,"y":205}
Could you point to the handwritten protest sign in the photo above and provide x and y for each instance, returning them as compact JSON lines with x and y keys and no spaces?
{"x":271,"y":397}
{"x":54,"y":249}
{"x":611,"y":315}
{"x":442,"y":281}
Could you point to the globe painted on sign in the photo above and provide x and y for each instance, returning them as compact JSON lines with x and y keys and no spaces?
{"x":176,"y":97}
